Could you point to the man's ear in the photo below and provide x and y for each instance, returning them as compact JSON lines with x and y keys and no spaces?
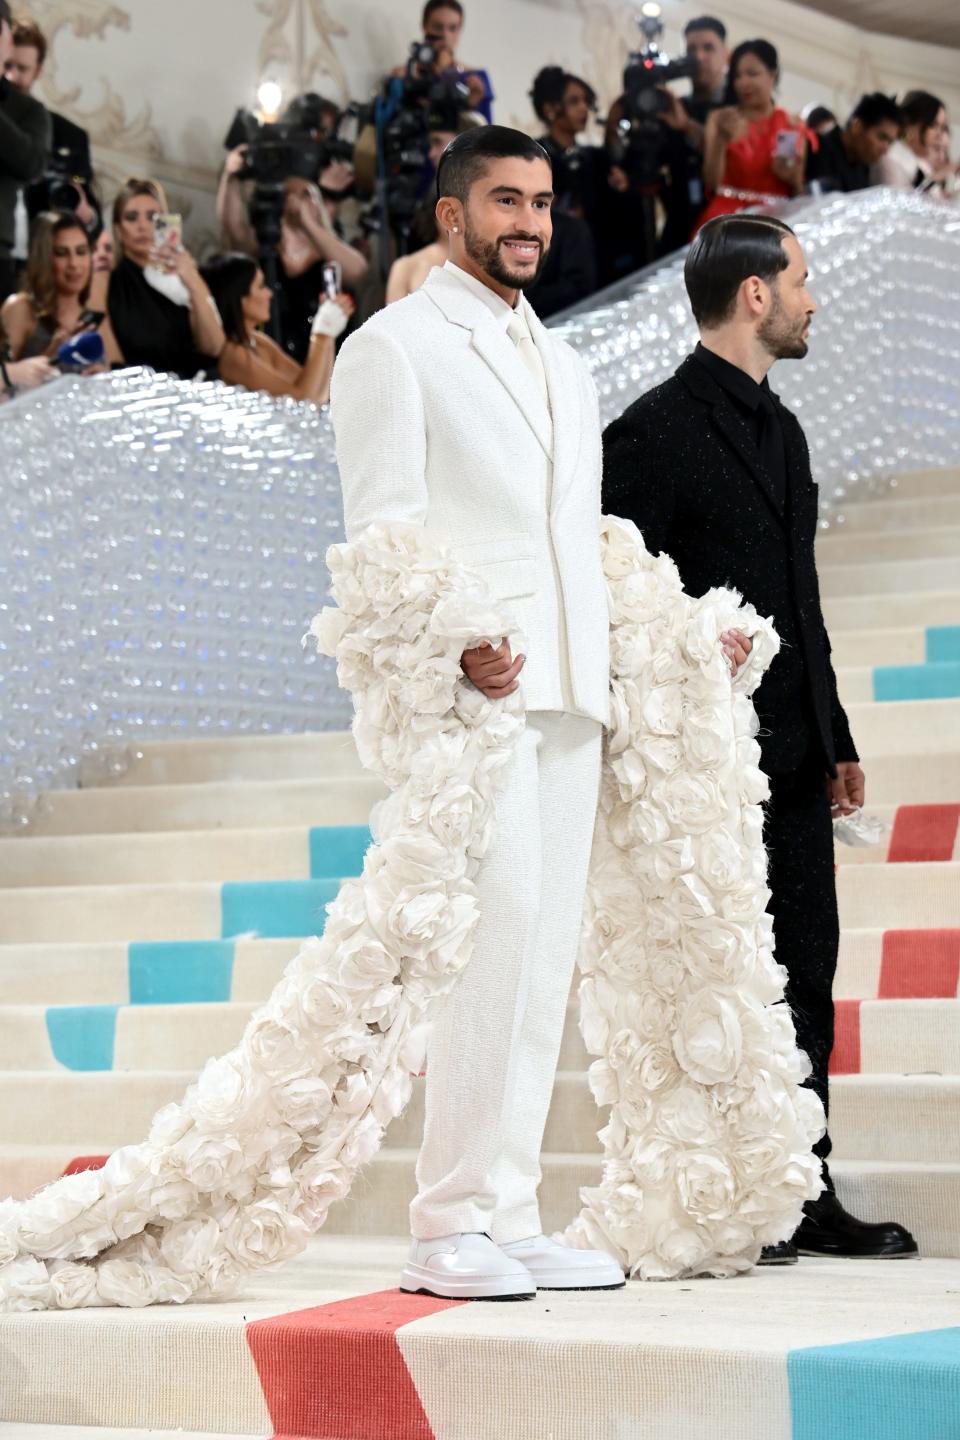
{"x":755,"y":294}
{"x":449,"y":213}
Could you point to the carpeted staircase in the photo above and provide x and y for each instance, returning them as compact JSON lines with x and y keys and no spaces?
{"x":141,"y":922}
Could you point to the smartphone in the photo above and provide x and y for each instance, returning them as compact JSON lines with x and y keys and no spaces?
{"x":787,"y":145}
{"x":332,"y":279}
{"x":167,"y":230}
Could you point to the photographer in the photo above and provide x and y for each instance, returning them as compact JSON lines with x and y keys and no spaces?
{"x":161,"y":311}
{"x":62,"y":296}
{"x":25,"y":131}
{"x":68,"y":183}
{"x":442,"y":23}
{"x":846,"y":157}
{"x":249,"y":357}
{"x":565,"y":104}
{"x":408,"y":272}
{"x":308,"y":240}
{"x":684,"y":121}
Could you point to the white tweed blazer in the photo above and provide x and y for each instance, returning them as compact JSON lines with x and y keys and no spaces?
{"x":438,"y":422}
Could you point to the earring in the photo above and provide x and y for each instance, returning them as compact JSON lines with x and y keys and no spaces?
{"x":456,"y":229}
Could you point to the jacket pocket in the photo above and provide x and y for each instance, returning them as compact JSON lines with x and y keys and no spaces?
{"x":507,"y":567}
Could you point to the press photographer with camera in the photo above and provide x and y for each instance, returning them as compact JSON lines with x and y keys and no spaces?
{"x":62,"y":295}
{"x":159,"y":305}
{"x":754,"y":150}
{"x":442,"y":22}
{"x":25,"y":134}
{"x":306,"y":241}
{"x":684,"y":119}
{"x":68,"y":183}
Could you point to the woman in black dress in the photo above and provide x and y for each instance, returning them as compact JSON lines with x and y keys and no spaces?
{"x":160,"y":308}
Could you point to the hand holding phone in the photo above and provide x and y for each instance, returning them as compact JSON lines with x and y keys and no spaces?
{"x":332,"y":279}
{"x":167,"y":236}
{"x":787,"y":145}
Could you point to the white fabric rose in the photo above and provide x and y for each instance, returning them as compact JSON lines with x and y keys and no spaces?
{"x":708,"y":1042}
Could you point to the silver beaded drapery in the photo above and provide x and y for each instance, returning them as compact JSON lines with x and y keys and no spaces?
{"x":162,"y":543}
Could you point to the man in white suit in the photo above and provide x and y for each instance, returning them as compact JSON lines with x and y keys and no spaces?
{"x":456,"y":410}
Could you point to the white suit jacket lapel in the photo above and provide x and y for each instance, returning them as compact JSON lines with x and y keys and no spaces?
{"x":564,"y":405}
{"x":497,"y":350}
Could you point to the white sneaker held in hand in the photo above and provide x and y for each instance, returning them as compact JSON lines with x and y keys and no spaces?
{"x":465,"y":1267}
{"x":560,"y":1267}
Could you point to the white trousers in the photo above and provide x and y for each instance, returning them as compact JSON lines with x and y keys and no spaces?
{"x":493,"y":1052}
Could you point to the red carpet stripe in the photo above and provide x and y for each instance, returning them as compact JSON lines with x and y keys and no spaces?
{"x":336,"y":1372}
{"x":924,"y":832}
{"x":919,"y":965}
{"x":845,"y":1059}
{"x":86,"y":1162}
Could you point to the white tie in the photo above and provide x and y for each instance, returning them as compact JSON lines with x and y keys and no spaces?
{"x":519,"y":333}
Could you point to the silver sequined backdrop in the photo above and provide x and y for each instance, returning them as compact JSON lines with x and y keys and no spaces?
{"x":162,"y":543}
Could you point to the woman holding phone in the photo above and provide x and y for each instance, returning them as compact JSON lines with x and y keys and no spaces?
{"x":249,"y":357}
{"x":161,"y":310}
{"x":64,"y":293}
{"x":754,"y":152}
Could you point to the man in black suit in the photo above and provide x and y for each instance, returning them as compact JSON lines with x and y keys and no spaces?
{"x":24,"y":148}
{"x":715,"y":472}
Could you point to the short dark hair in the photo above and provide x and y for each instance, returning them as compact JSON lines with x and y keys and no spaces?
{"x":433,"y":5}
{"x":919,"y":107}
{"x":229,"y":278}
{"x":728,"y":250}
{"x":706,"y":22}
{"x":467,"y":157}
{"x":28,"y":35}
{"x":819,"y":115}
{"x":6,"y":14}
{"x":873,"y":109}
{"x":765,"y":53}
{"x":550,"y":86}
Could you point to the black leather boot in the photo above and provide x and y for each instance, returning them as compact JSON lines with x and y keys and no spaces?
{"x":785,"y":1253}
{"x":828,"y":1229}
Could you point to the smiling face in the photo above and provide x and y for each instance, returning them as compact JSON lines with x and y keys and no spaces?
{"x":753,"y":83}
{"x":505,"y":227}
{"x":72,"y":261}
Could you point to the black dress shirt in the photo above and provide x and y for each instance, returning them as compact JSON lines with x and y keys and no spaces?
{"x":755,"y":404}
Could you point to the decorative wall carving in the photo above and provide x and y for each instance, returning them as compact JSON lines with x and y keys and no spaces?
{"x":298,"y":46}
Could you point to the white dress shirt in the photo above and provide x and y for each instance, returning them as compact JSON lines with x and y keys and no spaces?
{"x":514,"y":320}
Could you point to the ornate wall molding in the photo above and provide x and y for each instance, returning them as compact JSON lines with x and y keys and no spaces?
{"x":297,"y":45}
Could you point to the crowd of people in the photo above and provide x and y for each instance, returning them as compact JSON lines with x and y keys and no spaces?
{"x":70,"y":267}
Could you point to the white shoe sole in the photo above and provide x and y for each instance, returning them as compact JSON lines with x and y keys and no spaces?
{"x":419,"y":1280}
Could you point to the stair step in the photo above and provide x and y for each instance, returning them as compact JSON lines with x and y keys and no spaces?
{"x":167,"y":857}
{"x":914,"y":833}
{"x":882,"y":611}
{"x":888,"y":577}
{"x":872,"y":547}
{"x":884,"y":895}
{"x":703,"y":1359}
{"x":899,"y":727}
{"x":897,"y":1117}
{"x":225,"y":804}
{"x":241,"y":757}
{"x":885,"y":513}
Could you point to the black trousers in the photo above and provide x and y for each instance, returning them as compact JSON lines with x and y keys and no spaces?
{"x":798,"y":832}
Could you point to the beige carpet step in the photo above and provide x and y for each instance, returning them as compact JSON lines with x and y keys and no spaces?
{"x":702,"y":1360}
{"x":906,"y":727}
{"x":227,"y":804}
{"x":942,"y":482}
{"x":896,"y":1036}
{"x":919,"y":896}
{"x":882,"y":612}
{"x":912,"y":778}
{"x":888,"y":577}
{"x":165,"y":857}
{"x":872,"y":547}
{"x":872,"y":1116}
{"x":242,"y":757}
{"x":898,"y":645}
{"x":924,"y":1196}
{"x":11,"y":1430}
{"x":886,"y":514}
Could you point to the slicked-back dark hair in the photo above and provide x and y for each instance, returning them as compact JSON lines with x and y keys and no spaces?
{"x":873,"y":109}
{"x":727,"y":251}
{"x":468,"y":156}
{"x":706,"y":22}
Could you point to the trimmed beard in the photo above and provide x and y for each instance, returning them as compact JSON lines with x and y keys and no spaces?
{"x":491,"y":262}
{"x":781,"y":338}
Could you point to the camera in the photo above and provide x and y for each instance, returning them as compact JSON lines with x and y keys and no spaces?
{"x":649,"y":68}
{"x":57,"y":187}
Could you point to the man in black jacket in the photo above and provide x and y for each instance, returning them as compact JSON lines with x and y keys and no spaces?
{"x":24,"y":147}
{"x":715,"y":472}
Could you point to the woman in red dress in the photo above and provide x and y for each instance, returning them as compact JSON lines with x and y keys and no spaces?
{"x":753,"y":151}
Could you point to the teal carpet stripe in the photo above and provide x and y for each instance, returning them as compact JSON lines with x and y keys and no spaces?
{"x":276,"y":909}
{"x":900,"y":1387}
{"x":337,"y":850}
{"x":180,"y":972}
{"x":939,"y":681}
{"x":82,"y":1036}
{"x":943,"y":642}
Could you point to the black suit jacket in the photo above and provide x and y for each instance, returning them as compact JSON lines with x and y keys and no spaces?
{"x":682,"y":463}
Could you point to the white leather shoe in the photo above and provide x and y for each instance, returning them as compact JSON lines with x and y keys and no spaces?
{"x":465,"y":1267}
{"x":560,"y":1267}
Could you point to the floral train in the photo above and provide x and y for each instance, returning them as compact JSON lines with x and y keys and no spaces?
{"x":707,"y":1151}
